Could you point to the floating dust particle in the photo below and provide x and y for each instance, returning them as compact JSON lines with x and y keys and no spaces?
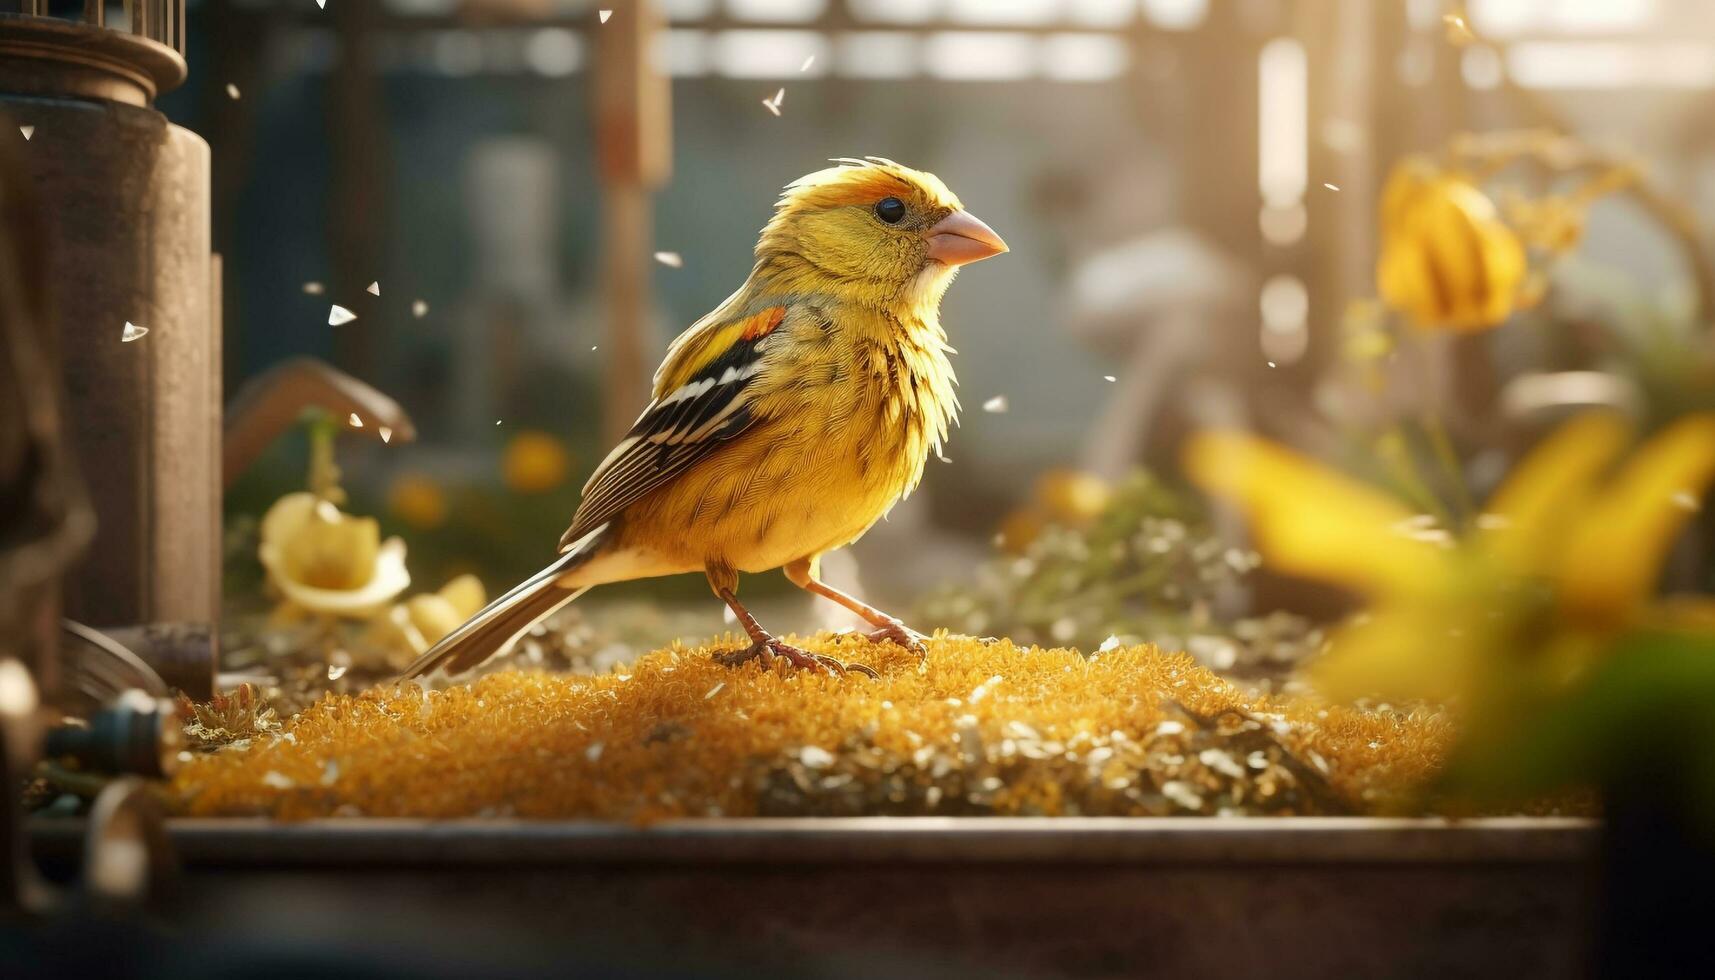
{"x":1111,"y":643}
{"x":232,"y":91}
{"x":603,"y":15}
{"x":773,"y":105}
{"x":1332,"y":187}
{"x":996,"y":405}
{"x":313,"y":288}
{"x":356,"y":422}
{"x":385,"y":433}
{"x":1134,"y":732}
{"x":807,"y":63}
{"x":1686,"y":500}
{"x":132,"y":332}
{"x":339,"y":316}
{"x":419,"y":309}
{"x":374,"y":288}
{"x":1109,"y":378}
{"x":671,"y":260}
{"x":28,"y":132}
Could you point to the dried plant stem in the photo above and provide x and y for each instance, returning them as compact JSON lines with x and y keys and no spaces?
{"x":1489,"y":153}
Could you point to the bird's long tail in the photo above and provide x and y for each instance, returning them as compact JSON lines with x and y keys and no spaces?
{"x":500,"y":623}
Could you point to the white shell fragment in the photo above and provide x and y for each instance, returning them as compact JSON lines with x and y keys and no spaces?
{"x":773,"y":105}
{"x":339,"y":316}
{"x":386,"y":433}
{"x":603,"y":15}
{"x":132,"y":332}
{"x":356,"y":422}
{"x":374,"y":288}
{"x":671,"y":260}
{"x":28,"y":132}
{"x":996,"y":405}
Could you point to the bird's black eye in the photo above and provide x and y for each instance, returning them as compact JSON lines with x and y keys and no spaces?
{"x":890,"y":210}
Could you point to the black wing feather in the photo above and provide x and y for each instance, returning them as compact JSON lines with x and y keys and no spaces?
{"x":659,"y":445}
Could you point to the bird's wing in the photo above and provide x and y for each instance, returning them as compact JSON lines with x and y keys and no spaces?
{"x":702,"y":398}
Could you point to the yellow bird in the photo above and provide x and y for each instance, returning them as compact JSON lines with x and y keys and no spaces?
{"x":784,"y":423}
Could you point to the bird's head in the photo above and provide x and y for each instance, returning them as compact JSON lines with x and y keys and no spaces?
{"x":878,"y":228}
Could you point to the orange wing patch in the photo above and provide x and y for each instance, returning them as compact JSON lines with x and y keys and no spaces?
{"x":692,"y":354}
{"x":762,"y":324}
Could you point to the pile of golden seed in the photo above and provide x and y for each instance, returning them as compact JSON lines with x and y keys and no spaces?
{"x":980,"y":728}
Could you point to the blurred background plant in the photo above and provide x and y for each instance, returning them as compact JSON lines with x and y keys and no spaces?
{"x":1089,"y":565}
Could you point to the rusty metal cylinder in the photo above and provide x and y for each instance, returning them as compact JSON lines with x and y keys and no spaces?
{"x":124,"y":195}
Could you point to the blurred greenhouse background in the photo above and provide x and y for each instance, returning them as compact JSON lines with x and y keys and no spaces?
{"x":1190,"y":189}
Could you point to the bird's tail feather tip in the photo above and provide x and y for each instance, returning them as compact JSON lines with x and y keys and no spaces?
{"x":499,"y":624}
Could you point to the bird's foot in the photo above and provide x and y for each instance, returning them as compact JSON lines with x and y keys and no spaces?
{"x":897,"y":632}
{"x":766,"y":650}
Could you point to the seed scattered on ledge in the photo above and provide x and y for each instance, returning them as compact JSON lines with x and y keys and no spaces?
{"x":980,"y":729}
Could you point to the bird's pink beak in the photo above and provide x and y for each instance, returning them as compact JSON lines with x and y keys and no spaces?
{"x":961,"y":238}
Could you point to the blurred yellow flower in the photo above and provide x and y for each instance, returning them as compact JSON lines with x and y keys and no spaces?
{"x":1020,"y":528}
{"x":404,"y":631}
{"x":1561,"y":561}
{"x":326,"y":561}
{"x":535,"y":462}
{"x":418,"y":501}
{"x":1064,"y":497}
{"x":1447,"y":260}
{"x":1073,"y":497}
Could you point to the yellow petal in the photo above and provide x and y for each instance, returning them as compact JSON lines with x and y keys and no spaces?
{"x":332,"y":554}
{"x":1525,"y":523}
{"x":389,"y":578}
{"x":1400,"y":651}
{"x":433,"y":616}
{"x":466,"y":595}
{"x":1312,"y":521}
{"x":1615,"y":553}
{"x":1504,"y":268}
{"x":287,"y":515}
{"x":394,"y":636}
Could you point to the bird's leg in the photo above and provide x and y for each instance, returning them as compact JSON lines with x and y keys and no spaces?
{"x":805,"y":573}
{"x":764,"y":646}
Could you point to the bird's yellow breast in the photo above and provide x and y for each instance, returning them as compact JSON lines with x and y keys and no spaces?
{"x":850,"y":404}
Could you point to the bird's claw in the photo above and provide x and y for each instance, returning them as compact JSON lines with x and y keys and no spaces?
{"x":766,"y":650}
{"x":897,"y":632}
